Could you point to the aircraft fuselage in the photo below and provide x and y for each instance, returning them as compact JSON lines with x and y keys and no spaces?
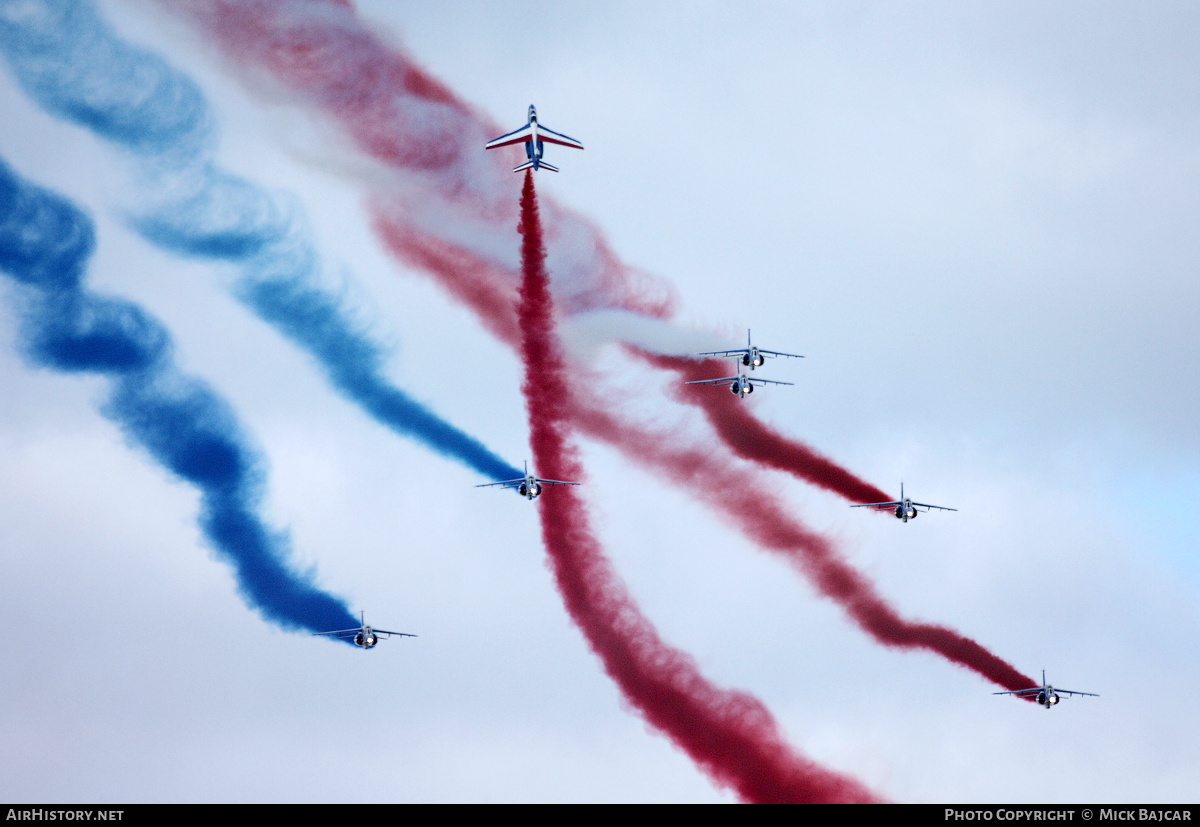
{"x":366,"y":638}
{"x":530,"y":489}
{"x":741,"y":386}
{"x":534,"y":147}
{"x":1047,"y":697}
{"x":753,"y":359}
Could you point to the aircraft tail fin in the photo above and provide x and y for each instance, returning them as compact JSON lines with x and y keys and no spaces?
{"x":526,"y":165}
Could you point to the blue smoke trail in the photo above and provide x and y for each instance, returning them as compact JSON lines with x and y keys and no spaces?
{"x":45,"y":242}
{"x":69,"y":60}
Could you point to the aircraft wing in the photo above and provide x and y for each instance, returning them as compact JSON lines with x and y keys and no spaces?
{"x":879,"y":505}
{"x":551,"y":137}
{"x":1070,"y":692}
{"x":555,"y":482}
{"x":938,"y":507}
{"x":742,"y":351}
{"x":711,"y":381}
{"x":1022,"y":691}
{"x":520,"y":136}
{"x":505,"y":483}
{"x":757,"y":381}
{"x":737,"y":351}
{"x":397,"y":634}
{"x":339,"y":632}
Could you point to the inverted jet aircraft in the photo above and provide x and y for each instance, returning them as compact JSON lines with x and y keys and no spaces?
{"x":527,"y":486}
{"x":1046,"y":694}
{"x":750,"y":356}
{"x":906,"y":509}
{"x":534,"y":136}
{"x":742,"y":384}
{"x":364,"y":636}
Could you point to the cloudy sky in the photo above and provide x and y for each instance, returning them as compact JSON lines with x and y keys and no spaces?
{"x":978,"y":223}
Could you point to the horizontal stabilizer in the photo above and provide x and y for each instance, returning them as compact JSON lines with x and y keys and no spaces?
{"x":530,"y":165}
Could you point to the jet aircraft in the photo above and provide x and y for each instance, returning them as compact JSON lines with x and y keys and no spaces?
{"x":534,"y":136}
{"x":750,"y":356}
{"x":1047,"y":695}
{"x":527,"y":486}
{"x":742,"y":384}
{"x":364,"y":636}
{"x":906,"y":509}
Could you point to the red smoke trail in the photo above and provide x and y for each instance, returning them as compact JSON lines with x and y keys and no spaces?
{"x":739,"y":494}
{"x":755,"y":441}
{"x":731,"y":735}
{"x":347,"y":71}
{"x":481,"y":285}
{"x":397,"y":113}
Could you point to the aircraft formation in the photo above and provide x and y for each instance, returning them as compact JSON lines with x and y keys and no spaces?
{"x":749,"y":356}
{"x":534,"y":137}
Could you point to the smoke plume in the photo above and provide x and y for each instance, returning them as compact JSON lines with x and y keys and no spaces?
{"x":45,"y":243}
{"x":729,"y":734}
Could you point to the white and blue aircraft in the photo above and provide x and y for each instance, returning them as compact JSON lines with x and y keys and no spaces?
{"x":527,"y":486}
{"x":534,"y":136}
{"x":1046,"y":694}
{"x":364,"y":636}
{"x":906,"y":509}
{"x":750,"y":355}
{"x":742,"y":384}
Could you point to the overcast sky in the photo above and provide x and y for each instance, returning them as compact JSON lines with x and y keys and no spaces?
{"x":978,"y":223}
